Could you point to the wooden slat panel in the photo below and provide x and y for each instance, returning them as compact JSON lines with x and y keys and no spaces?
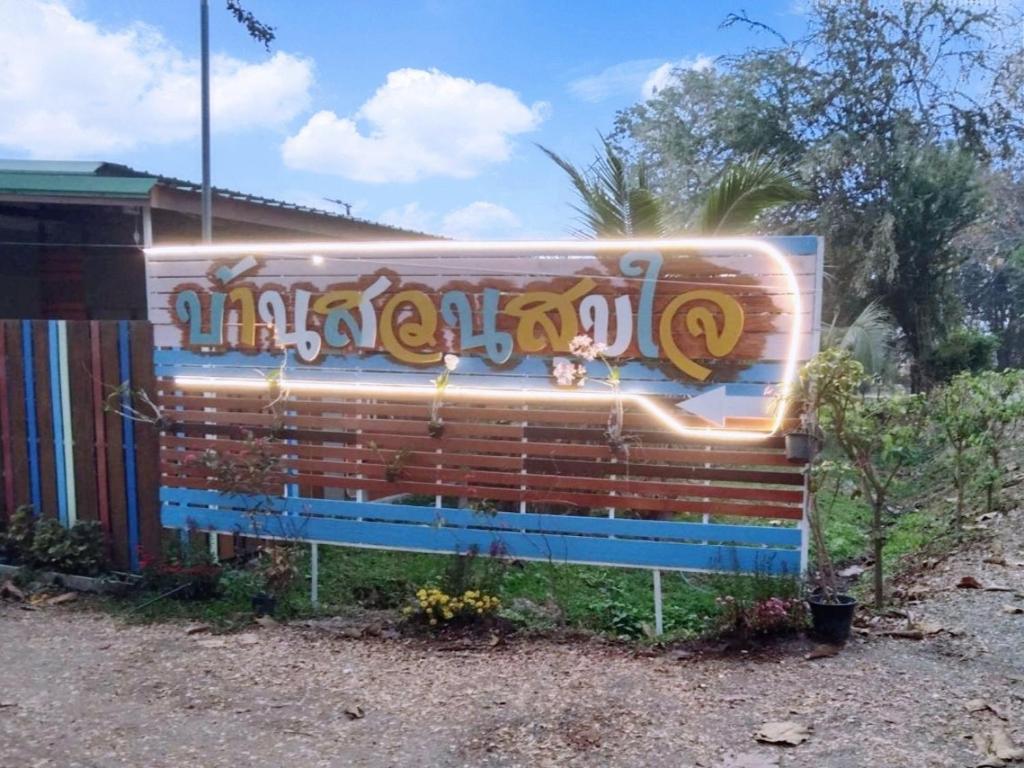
{"x":83,"y":420}
{"x":19,"y":431}
{"x":147,"y":442}
{"x":117,"y":498}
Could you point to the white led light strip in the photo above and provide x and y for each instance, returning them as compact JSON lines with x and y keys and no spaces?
{"x":555,"y":247}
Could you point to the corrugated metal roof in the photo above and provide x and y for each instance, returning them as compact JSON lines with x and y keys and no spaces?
{"x":74,"y":185}
{"x":75,"y":178}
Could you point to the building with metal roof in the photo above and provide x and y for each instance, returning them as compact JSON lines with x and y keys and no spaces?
{"x":72,"y":233}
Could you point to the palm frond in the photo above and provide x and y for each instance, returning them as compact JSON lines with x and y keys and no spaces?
{"x":611,"y":203}
{"x":746,"y":190}
{"x":869,"y":338}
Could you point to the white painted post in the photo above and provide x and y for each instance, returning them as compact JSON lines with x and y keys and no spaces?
{"x":314,"y":575}
{"x":658,"y":624}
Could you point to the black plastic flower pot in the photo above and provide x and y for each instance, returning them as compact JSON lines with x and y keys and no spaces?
{"x":263,"y":604}
{"x":831,"y":620}
{"x":801,"y":447}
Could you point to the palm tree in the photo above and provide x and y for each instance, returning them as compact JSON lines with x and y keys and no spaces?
{"x":614,"y":201}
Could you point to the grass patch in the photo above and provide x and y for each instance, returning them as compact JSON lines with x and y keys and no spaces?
{"x":846,"y":527}
{"x":534,"y":595}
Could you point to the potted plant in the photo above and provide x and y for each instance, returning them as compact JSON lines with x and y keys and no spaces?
{"x":278,"y":569}
{"x":819,"y":381}
{"x":832,"y":610}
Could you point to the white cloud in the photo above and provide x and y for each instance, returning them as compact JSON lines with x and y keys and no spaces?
{"x":616,"y":80}
{"x":419,"y":123}
{"x":480,"y":221}
{"x":69,"y":88}
{"x":632,"y":78}
{"x":665,"y":74}
{"x":408,"y":216}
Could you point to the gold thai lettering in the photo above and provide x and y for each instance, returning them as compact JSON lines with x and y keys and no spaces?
{"x":700,"y":322}
{"x":534,"y":312}
{"x":242,"y":298}
{"x":401,"y":336}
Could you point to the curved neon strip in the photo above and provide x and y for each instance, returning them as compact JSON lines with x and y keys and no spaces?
{"x":537,"y":247}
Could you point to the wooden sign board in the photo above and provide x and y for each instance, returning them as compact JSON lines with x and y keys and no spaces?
{"x":598,"y":402}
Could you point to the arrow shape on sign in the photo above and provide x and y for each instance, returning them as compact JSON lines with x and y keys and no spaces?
{"x":716,"y":405}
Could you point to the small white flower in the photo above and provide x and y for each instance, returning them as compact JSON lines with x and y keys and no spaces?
{"x":600,"y":348}
{"x":564,"y":372}
{"x":451,"y":362}
{"x":581,"y":375}
{"x":582,"y":346}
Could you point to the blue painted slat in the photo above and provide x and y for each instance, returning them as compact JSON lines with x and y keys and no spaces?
{"x":128,"y":431}
{"x":179,"y":360}
{"x":502,"y":521}
{"x":58,"y":422}
{"x":31,"y":415}
{"x":552,"y":547}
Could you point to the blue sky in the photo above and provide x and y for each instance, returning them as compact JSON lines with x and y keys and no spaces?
{"x":419,"y":113}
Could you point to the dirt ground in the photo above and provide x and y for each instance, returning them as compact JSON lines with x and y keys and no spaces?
{"x":78,"y":688}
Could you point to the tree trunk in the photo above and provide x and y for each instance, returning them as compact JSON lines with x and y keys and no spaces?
{"x":878,"y":539}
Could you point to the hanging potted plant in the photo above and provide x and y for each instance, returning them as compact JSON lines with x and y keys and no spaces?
{"x":805,"y":440}
{"x":435,"y":427}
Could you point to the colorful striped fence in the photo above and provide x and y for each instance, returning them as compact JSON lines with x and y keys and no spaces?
{"x":61,"y":450}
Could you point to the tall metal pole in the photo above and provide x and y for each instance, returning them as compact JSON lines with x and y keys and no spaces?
{"x":207,"y":195}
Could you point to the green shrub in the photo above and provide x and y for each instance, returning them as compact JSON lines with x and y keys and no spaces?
{"x":44,"y":543}
{"x":962,"y":350}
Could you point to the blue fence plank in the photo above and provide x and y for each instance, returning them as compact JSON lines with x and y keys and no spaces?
{"x":557,"y":548}
{"x":756,"y":535}
{"x":128,"y":431}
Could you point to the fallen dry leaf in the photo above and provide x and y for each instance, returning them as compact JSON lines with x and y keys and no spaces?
{"x":783,"y":732}
{"x":1002,"y":746}
{"x":195,"y":629}
{"x":266,"y":621}
{"x":355,"y":712}
{"x":980,"y":705}
{"x":751,"y":760}
{"x":909,"y":633}
{"x":969,"y":582}
{"x":1014,"y":609}
{"x":823,"y":651}
{"x":851,"y":571}
{"x":8,"y":590}
{"x":67,"y":597}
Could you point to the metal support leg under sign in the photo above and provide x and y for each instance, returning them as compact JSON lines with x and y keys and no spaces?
{"x":314,"y":575}
{"x":658,"y":624}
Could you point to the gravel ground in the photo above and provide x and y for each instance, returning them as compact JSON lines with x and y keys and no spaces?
{"x":78,"y":688}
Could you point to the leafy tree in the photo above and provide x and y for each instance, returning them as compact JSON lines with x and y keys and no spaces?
{"x":958,"y":411}
{"x":991,"y":281}
{"x":885,"y":109}
{"x":1001,"y":395}
{"x":877,"y":436}
{"x":258,"y":31}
